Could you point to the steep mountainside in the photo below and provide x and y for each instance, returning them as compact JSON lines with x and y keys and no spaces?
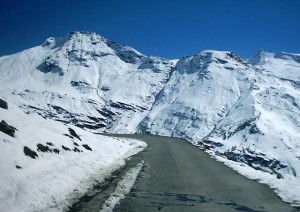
{"x":200,"y":91}
{"x":86,"y":80}
{"x":263,"y":127}
{"x":245,"y":111}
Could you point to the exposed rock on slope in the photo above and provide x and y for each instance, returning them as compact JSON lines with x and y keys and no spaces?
{"x":3,"y":104}
{"x":7,"y":129}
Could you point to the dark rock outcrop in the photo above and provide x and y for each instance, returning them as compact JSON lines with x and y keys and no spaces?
{"x":74,"y":134}
{"x":65,"y":148}
{"x":76,"y":149}
{"x":3,"y":104}
{"x":56,"y":151}
{"x":30,"y":153}
{"x":42,"y":148}
{"x":87,"y":147}
{"x":50,"y":144}
{"x":7,"y":129}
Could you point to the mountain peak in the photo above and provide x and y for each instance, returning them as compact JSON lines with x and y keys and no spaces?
{"x":54,"y":42}
{"x":81,"y":49}
{"x":83,"y":33}
{"x":262,"y":57}
{"x":288,"y":56}
{"x":201,"y":60}
{"x":219,"y":56}
{"x":92,"y":37}
{"x":258,"y":58}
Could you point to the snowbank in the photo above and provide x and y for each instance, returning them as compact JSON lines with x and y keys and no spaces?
{"x":287,"y":189}
{"x":68,"y":162}
{"x":122,"y":188}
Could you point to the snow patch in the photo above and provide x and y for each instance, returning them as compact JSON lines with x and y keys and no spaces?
{"x":122,"y":188}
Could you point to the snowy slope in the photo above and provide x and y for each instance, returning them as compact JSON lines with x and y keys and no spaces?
{"x":263,"y":129}
{"x":84,"y":79}
{"x":64,"y":168}
{"x":243,"y":111}
{"x":200,"y":91}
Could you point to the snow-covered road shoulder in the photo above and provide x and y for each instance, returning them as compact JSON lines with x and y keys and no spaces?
{"x":47,"y":165}
{"x":123,"y":188}
{"x":287,"y":189}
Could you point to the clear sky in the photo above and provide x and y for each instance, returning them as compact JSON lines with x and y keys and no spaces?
{"x":166,"y":28}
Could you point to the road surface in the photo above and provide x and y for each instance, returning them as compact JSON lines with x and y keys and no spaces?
{"x":176,"y":176}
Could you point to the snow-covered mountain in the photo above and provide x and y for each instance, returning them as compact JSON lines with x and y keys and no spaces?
{"x":245,"y":111}
{"x":86,"y":80}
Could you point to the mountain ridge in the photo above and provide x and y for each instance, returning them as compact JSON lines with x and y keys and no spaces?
{"x":247,"y":111}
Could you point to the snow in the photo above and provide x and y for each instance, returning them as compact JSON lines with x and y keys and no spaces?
{"x":282,"y":65}
{"x":285,"y":189}
{"x":246,"y":111}
{"x":123,"y":188}
{"x":52,"y":182}
{"x":198,"y":90}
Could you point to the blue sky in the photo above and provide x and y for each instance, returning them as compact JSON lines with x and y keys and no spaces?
{"x":168,"y":29}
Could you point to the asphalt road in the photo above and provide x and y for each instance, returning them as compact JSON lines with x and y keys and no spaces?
{"x":179,"y":177}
